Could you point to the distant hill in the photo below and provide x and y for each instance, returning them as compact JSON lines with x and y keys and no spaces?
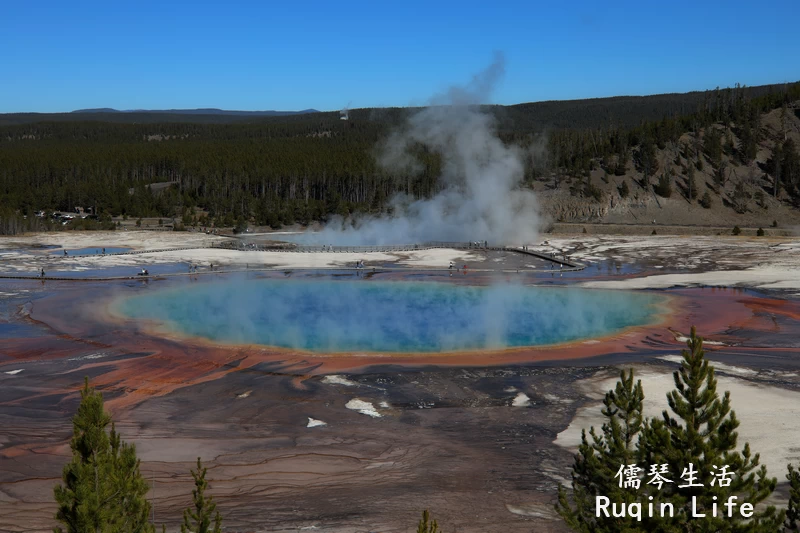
{"x":612,"y":112}
{"x":142,"y":116}
{"x":97,"y":110}
{"x":202,"y":111}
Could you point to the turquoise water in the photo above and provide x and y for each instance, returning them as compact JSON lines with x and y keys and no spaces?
{"x":372,"y":316}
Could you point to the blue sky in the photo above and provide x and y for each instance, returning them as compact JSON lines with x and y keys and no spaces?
{"x":269,"y":54}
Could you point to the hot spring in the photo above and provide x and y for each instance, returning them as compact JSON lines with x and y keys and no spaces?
{"x":377,"y":316}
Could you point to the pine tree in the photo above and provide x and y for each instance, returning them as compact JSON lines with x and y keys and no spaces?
{"x":691,"y":184}
{"x":698,"y":433}
{"x":198,"y":520}
{"x":624,"y":191}
{"x":134,"y":508}
{"x":426,"y":525}
{"x":646,"y":160}
{"x":712,"y":145}
{"x":596,"y":471}
{"x":793,"y":508}
{"x":664,"y":188}
{"x":103,"y":490}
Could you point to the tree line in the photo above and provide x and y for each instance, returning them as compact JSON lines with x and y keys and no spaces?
{"x":303,"y":168}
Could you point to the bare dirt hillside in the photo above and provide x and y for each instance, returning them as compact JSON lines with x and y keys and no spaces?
{"x":739,"y":193}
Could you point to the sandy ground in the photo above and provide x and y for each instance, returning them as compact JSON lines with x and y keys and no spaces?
{"x":129,"y":239}
{"x":768,"y":414}
{"x":765,"y":263}
{"x":757,"y":262}
{"x":20,"y":255}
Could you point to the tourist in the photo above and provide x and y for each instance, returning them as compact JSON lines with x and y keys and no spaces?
{"x":42,"y":272}
{"x":65,"y":253}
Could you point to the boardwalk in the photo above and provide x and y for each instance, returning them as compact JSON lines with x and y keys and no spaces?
{"x":563,"y":264}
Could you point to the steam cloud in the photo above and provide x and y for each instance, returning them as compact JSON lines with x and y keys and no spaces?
{"x":480,"y":197}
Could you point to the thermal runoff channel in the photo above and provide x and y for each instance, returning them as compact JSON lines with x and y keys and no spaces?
{"x":369,"y":316}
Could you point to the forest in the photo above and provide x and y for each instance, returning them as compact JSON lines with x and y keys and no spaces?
{"x":300,"y":168}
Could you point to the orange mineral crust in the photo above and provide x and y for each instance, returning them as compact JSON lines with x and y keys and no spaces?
{"x":141,"y":362}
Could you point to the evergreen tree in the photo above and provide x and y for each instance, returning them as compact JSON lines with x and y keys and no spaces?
{"x":693,"y":445}
{"x":705,"y":201}
{"x":621,"y":167}
{"x":426,"y":525}
{"x":103,"y":490}
{"x":664,"y":188}
{"x":721,"y":175}
{"x":646,"y":160}
{"x":600,"y":457}
{"x":198,"y":519}
{"x":691,"y":184}
{"x":624,"y":190}
{"x":698,"y":434}
{"x":774,"y":167}
{"x":712,"y":146}
{"x":793,"y":508}
{"x":749,"y":143}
